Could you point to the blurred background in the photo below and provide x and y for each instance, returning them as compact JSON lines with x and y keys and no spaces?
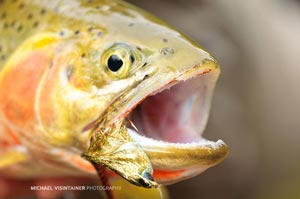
{"x":256,"y":106}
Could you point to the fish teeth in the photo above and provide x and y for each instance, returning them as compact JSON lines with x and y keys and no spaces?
{"x":147,"y":142}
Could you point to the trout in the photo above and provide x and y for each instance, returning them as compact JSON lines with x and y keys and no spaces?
{"x":101,"y":86}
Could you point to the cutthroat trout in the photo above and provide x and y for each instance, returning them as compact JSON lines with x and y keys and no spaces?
{"x":101,"y":86}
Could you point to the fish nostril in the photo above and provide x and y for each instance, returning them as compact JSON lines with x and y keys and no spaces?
{"x":167,"y":51}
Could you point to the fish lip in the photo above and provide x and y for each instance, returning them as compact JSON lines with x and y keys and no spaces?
{"x":166,"y":159}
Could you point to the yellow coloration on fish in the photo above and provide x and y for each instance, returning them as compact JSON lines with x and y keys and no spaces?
{"x":115,"y":149}
{"x":71,"y":73}
{"x":12,"y":157}
{"x":135,"y":192}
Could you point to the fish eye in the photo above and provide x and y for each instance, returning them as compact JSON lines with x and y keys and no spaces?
{"x":120,"y":60}
{"x":114,"y":63}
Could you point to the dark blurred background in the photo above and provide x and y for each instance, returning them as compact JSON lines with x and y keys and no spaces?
{"x":256,"y":106}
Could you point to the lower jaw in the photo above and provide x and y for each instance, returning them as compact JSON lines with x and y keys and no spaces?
{"x":173,"y":162}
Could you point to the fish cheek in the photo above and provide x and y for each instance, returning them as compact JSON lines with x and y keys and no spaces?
{"x":19,"y":85}
{"x":84,"y":75}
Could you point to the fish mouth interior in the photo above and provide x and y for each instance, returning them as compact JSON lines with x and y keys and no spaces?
{"x":176,"y":114}
{"x":168,"y":125}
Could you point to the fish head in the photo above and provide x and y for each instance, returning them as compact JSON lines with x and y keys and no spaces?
{"x":129,"y":65}
{"x":168,"y":82}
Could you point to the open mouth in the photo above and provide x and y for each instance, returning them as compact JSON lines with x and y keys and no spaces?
{"x":177,"y":114}
{"x":169,"y":125}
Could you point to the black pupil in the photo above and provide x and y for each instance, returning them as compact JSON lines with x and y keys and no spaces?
{"x":114,"y":63}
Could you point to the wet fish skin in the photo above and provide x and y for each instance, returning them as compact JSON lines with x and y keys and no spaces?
{"x":62,"y":46}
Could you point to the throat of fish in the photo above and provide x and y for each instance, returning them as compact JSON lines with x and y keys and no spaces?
{"x":113,"y":148}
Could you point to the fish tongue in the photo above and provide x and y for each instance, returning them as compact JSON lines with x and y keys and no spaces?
{"x":113,"y":148}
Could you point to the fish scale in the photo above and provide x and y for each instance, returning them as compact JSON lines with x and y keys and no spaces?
{"x":18,"y":21}
{"x":21,"y":19}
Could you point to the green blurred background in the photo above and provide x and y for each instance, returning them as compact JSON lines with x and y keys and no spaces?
{"x":256,"y":106}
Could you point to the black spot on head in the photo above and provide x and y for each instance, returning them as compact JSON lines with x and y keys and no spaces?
{"x":76,"y":32}
{"x":145,"y":64}
{"x":43,"y":11}
{"x":139,"y":48}
{"x":165,"y":40}
{"x":21,"y":6}
{"x":20,"y":27}
{"x":83,"y":55}
{"x":99,"y":34}
{"x":5,"y":25}
{"x":146,"y":76}
{"x":61,"y":33}
{"x":35,"y":24}
{"x":29,"y":16}
{"x":3,"y":15}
